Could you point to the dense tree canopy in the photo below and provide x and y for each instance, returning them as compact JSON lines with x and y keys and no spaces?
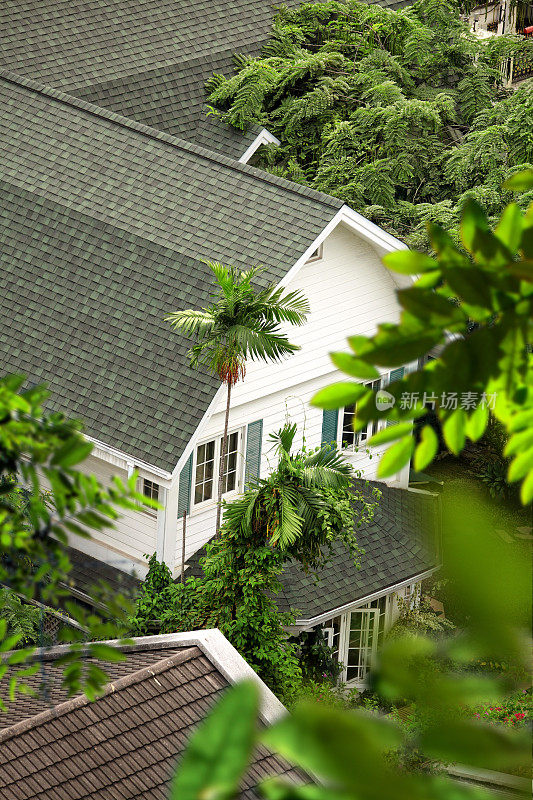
{"x":401,"y":114}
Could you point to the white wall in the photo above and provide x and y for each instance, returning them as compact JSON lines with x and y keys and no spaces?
{"x":349,"y":292}
{"x":134,"y":533}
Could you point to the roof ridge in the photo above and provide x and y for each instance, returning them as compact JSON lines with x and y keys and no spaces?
{"x":82,"y":700}
{"x":194,"y":59}
{"x":173,"y":141}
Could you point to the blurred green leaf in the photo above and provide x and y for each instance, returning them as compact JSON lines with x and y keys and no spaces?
{"x":347,"y":748}
{"x":219,"y":751}
{"x":509,"y":228}
{"x":520,"y":181}
{"x":106,"y":653}
{"x":427,"y":448}
{"x":409,"y":262}
{"x":390,"y":434}
{"x":454,"y":430}
{"x":476,"y":744}
{"x":396,"y":457}
{"x":353,"y":366}
{"x":338,"y":395}
{"x":72,"y":452}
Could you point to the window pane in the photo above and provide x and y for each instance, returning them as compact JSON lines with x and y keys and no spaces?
{"x":208,"y":490}
{"x":230,"y":463}
{"x":203,"y":477}
{"x":349,"y":437}
{"x":150,"y":489}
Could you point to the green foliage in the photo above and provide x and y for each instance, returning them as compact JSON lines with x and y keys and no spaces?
{"x":316,"y":658}
{"x":417,"y":616}
{"x":34,"y":523}
{"x":513,"y":712}
{"x":360,"y":755}
{"x":242,"y":322}
{"x":23,"y":620}
{"x":218,"y":754}
{"x":305,"y":505}
{"x":488,"y":363}
{"x":400,"y":114}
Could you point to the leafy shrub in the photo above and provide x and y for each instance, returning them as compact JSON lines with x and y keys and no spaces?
{"x":23,"y":619}
{"x":316,"y":658}
{"x":512,"y":712}
{"x":402,"y":115}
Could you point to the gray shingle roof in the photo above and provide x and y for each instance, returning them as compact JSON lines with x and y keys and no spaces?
{"x":172,"y":99}
{"x":106,"y":223}
{"x":399,"y":543}
{"x":71,"y":44}
{"x":146,"y":59}
{"x":125,"y":744}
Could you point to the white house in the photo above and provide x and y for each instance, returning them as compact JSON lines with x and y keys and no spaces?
{"x":108,"y":223}
{"x":116,"y":188}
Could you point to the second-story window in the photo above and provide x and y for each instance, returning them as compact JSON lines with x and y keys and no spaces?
{"x":350,"y":439}
{"x":207,"y":464}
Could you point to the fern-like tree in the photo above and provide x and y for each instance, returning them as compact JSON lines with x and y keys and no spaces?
{"x":401,"y":114}
{"x":242,"y":322}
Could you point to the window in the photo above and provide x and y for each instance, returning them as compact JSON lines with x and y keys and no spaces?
{"x":231,"y":460}
{"x":205,"y":470}
{"x":350,"y":439}
{"x":150,"y":489}
{"x":356,"y":636}
{"x":316,"y":255}
{"x":208,"y":464}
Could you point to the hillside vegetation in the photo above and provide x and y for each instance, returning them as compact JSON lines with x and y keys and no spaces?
{"x":402,"y":115}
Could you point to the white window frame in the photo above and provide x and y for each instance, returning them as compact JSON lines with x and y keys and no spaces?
{"x":151,"y":512}
{"x":373,"y":618}
{"x":211,"y":501}
{"x":372,"y":427}
{"x":317,"y":255}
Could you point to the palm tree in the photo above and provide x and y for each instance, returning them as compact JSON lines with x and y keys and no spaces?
{"x":286,"y":509}
{"x":242,"y":322}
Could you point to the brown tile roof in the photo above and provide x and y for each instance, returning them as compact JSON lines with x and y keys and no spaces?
{"x":124,"y":744}
{"x":49,"y":692}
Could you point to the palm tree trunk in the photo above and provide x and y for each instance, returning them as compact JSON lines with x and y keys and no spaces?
{"x":222,"y":461}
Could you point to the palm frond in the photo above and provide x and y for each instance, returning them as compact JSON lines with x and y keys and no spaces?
{"x":284,"y":438}
{"x":330,"y":457}
{"x":292,"y":307}
{"x":260,"y":343}
{"x":290,"y":523}
{"x":191,"y":321}
{"x":238,"y":514}
{"x":225,"y":276}
{"x":324,"y":477}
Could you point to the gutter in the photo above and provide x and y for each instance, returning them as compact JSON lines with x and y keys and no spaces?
{"x":310,"y":623}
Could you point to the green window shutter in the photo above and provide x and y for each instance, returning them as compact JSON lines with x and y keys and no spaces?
{"x":329,"y":426}
{"x":396,"y":375}
{"x":184,"y":488}
{"x":254,"y":437}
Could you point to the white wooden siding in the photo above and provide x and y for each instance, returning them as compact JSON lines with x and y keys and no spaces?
{"x":134,"y":534}
{"x":349,"y":292}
